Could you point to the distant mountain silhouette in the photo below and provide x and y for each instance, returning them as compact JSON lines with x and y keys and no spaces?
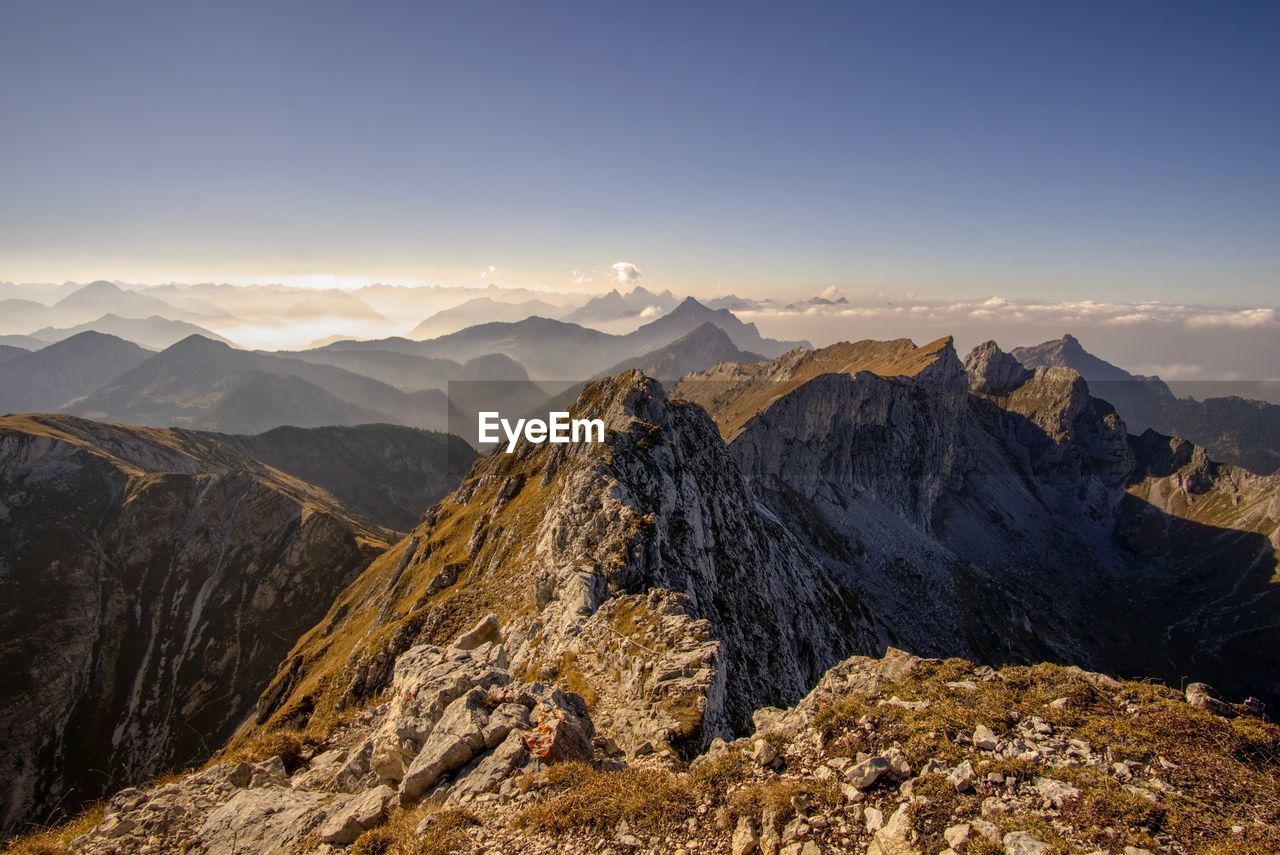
{"x":18,"y":315}
{"x":1232,"y":429}
{"x":479,"y":311}
{"x":154,"y":332}
{"x":414,"y":373}
{"x":615,"y":306}
{"x":51,"y":377}
{"x":105,"y":298}
{"x":333,"y":304}
{"x":8,"y":351}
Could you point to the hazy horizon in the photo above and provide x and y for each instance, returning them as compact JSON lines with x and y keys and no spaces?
{"x":951,"y":152}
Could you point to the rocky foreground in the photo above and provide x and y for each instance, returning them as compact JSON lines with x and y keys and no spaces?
{"x":891,"y":756}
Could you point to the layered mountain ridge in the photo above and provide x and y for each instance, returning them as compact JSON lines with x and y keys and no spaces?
{"x":150,"y":581}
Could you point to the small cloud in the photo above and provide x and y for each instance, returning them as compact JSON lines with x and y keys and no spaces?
{"x":833,"y":293}
{"x":489,"y":271}
{"x":581,"y":278}
{"x":650,"y":312}
{"x":626,"y":273}
{"x":1175,"y":371}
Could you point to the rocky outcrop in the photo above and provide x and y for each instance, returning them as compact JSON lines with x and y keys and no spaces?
{"x":457,"y":729}
{"x":150,"y":583}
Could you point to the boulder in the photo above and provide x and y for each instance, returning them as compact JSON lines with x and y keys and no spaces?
{"x":984,"y":738}
{"x":745,"y":841}
{"x":896,"y":837}
{"x":354,"y":816}
{"x":561,"y":729}
{"x":863,"y":775}
{"x":263,"y":820}
{"x":486,"y":631}
{"x":1024,"y":843}
{"x":451,"y":745}
{"x":491,"y":770}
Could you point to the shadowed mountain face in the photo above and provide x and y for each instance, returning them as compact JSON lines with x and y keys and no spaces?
{"x":9,"y":351}
{"x":60,"y":373}
{"x":150,"y":580}
{"x":207,"y":385}
{"x":555,"y":350}
{"x":991,"y":511}
{"x":1232,"y":429}
{"x":385,"y":474}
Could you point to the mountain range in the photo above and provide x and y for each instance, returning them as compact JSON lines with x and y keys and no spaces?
{"x":558,"y":350}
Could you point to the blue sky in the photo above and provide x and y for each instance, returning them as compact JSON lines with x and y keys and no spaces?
{"x":1047,"y":150}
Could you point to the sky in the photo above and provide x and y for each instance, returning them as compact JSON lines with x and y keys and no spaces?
{"x":1047,"y":151}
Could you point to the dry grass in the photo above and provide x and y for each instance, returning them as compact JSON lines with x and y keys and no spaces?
{"x":598,"y":801}
{"x":53,"y":841}
{"x":573,"y":679}
{"x":398,"y":836}
{"x":781,"y":797}
{"x":1227,"y":770}
{"x":287,"y":743}
{"x":931,"y":815}
{"x":714,"y":776}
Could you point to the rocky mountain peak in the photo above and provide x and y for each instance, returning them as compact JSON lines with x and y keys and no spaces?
{"x":991,"y":371}
{"x":642,"y":571}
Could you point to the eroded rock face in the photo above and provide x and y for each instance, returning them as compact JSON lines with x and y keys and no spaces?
{"x":150,"y":583}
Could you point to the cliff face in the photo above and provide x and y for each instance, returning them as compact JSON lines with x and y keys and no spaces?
{"x":1002,"y":513}
{"x":150,"y":581}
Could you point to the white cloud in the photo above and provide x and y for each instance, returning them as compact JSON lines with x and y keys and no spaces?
{"x":1173,"y":370}
{"x":581,"y":278}
{"x":626,"y":273}
{"x":1243,"y":318}
{"x":489,"y":271}
{"x":831,"y":293}
{"x":1063,"y":313}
